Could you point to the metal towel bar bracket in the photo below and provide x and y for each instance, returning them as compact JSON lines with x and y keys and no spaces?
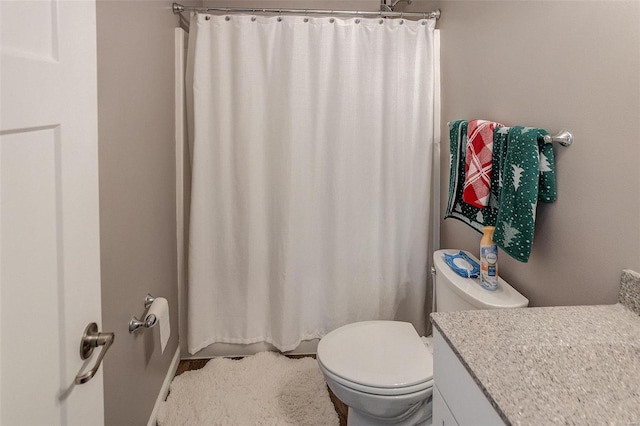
{"x":564,"y":138}
{"x":149,"y":320}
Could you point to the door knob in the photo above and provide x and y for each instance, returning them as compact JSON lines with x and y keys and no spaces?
{"x":91,"y":339}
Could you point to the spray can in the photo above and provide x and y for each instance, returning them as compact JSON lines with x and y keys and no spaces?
{"x":488,"y":260}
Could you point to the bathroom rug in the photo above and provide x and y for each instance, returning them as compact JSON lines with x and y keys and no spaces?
{"x":263,"y":389}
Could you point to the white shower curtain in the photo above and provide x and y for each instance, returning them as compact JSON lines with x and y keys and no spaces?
{"x":311,"y":207}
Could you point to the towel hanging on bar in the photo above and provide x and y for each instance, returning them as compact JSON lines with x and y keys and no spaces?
{"x":523,"y":174}
{"x":528,"y":177}
{"x":478,"y":162}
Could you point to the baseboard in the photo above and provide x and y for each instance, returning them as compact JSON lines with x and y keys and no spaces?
{"x":164,"y":390}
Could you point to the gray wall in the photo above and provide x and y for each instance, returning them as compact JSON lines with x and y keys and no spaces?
{"x":137,"y":196}
{"x":573,"y":65}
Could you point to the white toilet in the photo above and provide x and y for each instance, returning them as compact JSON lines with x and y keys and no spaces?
{"x":383,"y":371}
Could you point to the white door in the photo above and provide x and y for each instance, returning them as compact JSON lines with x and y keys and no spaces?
{"x":49,"y":234}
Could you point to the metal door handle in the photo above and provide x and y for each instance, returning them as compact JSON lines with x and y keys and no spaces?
{"x":91,"y":339}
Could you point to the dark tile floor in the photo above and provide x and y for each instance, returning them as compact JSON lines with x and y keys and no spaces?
{"x":196,"y":364}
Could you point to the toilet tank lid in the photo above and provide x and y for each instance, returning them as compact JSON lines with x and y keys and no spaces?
{"x":470,"y":289}
{"x":381,"y":354}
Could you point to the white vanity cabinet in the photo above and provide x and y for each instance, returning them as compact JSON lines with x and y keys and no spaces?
{"x":457,"y":399}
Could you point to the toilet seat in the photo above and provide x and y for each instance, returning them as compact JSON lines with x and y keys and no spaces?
{"x":405,"y":390}
{"x":377,"y":357}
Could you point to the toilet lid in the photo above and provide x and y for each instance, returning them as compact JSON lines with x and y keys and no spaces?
{"x":380,"y":354}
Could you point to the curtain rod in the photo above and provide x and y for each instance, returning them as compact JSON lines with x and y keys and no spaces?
{"x":178,"y":8}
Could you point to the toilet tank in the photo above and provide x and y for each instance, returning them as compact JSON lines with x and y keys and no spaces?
{"x":456,"y":293}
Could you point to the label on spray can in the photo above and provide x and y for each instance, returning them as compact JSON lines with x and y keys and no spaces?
{"x":489,"y":266}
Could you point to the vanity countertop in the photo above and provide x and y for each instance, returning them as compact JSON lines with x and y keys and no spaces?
{"x":577,"y":365}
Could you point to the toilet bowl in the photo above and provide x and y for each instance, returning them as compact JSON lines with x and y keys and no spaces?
{"x":383,"y":371}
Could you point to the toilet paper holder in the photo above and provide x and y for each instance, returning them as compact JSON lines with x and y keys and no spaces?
{"x":149,"y":321}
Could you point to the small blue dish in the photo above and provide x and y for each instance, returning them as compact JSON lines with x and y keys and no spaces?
{"x":465,"y":266}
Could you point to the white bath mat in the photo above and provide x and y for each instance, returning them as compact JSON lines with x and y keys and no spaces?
{"x":263,"y":389}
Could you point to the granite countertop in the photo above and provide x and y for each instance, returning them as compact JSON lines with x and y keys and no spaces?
{"x":576,"y":365}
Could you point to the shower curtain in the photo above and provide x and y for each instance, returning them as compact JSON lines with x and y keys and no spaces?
{"x":312,"y":178}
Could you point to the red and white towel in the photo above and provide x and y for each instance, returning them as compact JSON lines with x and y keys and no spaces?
{"x":479,"y":156}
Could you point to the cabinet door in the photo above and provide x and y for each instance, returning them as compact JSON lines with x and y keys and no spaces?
{"x":461,"y":394}
{"x":442,"y":416}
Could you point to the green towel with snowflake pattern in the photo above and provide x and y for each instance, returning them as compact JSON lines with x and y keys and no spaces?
{"x":523,"y":174}
{"x":528,"y":177}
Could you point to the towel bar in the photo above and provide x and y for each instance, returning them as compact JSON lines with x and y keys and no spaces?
{"x":564,"y":138}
